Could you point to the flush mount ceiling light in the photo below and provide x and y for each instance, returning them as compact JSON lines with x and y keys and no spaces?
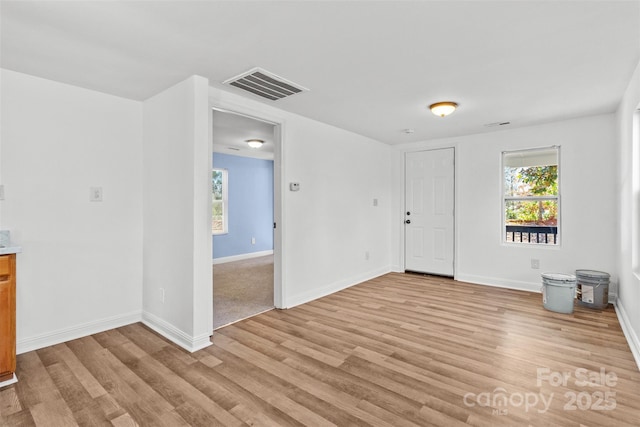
{"x":254,"y":143}
{"x":443,"y":109}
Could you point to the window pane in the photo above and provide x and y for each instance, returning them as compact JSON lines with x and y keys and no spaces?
{"x":535,"y":212}
{"x":531,"y":181}
{"x":217,"y":216}
{"x":219,"y":201}
{"x":216,"y":181}
{"x":531,"y":196}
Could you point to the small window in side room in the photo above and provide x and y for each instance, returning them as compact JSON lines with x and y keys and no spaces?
{"x":531,"y":196}
{"x":219,"y":205}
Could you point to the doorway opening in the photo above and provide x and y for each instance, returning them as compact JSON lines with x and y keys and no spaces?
{"x":243,"y":218}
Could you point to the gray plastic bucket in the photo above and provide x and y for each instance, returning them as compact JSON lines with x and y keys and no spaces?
{"x":558,"y":292}
{"x":592,"y":288}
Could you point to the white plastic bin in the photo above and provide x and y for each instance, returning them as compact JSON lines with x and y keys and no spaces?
{"x":558,"y":292}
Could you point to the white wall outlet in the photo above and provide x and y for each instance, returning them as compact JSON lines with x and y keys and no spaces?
{"x":375,"y":202}
{"x":162,"y":295}
{"x":366,"y":256}
{"x":1,"y":191}
{"x":535,"y":263}
{"x":294,"y":186}
{"x":95,"y":194}
{"x":253,"y":240}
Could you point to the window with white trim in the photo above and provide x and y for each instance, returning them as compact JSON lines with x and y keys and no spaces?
{"x":531,"y":196}
{"x":219,"y":204}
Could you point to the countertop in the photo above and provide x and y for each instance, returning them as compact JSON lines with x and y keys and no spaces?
{"x":6,"y":250}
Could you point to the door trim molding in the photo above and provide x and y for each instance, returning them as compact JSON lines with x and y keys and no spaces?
{"x":280,"y":293}
{"x":400,"y":267}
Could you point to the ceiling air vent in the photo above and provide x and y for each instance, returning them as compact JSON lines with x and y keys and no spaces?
{"x":265,"y":84}
{"x":492,"y":125}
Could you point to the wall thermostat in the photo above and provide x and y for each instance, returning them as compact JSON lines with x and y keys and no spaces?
{"x":294,"y":186}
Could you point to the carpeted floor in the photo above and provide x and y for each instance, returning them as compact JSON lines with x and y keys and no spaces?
{"x":242,"y":289}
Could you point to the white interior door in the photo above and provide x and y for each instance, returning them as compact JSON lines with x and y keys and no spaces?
{"x":429,"y":204}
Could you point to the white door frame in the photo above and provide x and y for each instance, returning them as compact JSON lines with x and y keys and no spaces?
{"x":279,"y":295}
{"x":401,"y":217}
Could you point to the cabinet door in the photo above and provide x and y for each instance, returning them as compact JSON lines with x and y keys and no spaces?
{"x":7,"y":317}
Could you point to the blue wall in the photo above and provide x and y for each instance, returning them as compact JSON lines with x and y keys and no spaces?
{"x":250,"y":206}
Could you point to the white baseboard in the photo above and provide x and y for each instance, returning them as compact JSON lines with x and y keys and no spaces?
{"x":334,"y":287}
{"x":396,"y":269}
{"x":500,"y":283}
{"x":241,"y":257}
{"x":511,"y":284}
{"x":24,"y":345}
{"x":176,"y":335}
{"x":10,"y":381}
{"x":629,"y":333}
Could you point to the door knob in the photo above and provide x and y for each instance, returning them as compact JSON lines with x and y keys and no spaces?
{"x":408,"y":213}
{"x":408,"y":221}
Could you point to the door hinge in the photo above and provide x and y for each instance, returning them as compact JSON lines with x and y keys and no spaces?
{"x":274,"y":225}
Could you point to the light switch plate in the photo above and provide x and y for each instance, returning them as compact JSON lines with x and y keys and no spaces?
{"x":95,"y":194}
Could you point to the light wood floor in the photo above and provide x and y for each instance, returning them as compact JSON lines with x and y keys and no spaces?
{"x":399,"y":350}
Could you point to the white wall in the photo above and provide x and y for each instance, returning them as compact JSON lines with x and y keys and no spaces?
{"x":82,"y":266}
{"x":177,"y":214}
{"x":331,"y":222}
{"x":588,"y":187}
{"x":90,"y":266}
{"x":628,"y":303}
{"x":80,"y":270}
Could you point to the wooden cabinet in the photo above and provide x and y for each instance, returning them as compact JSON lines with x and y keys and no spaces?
{"x":7,"y":316}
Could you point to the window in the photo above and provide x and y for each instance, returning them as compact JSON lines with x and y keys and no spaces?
{"x":219,"y":205}
{"x":531,"y":197}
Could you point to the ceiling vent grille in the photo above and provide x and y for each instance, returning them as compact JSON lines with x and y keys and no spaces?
{"x":265,"y":84}
{"x":492,"y":125}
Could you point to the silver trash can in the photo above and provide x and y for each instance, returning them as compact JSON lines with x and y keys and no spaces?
{"x":592,"y":288}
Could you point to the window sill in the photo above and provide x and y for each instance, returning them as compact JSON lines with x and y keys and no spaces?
{"x":531,"y":245}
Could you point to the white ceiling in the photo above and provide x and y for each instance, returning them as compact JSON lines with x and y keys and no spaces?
{"x":371,"y":67}
{"x":231,"y":131}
